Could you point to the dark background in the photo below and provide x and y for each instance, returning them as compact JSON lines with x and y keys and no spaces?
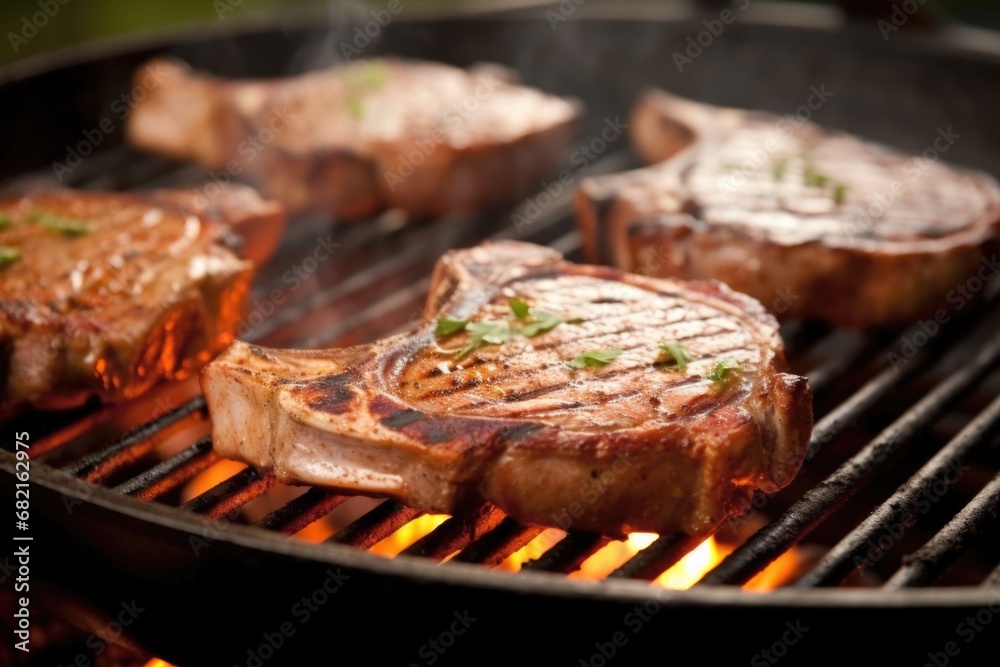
{"x":80,"y":21}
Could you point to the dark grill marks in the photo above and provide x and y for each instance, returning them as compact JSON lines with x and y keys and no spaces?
{"x":402,"y":419}
{"x":501,"y":379}
{"x":525,"y":374}
{"x":330,"y":394}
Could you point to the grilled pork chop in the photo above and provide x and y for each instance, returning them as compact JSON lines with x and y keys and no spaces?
{"x":516,"y":408}
{"x":356,"y":138}
{"x":814,"y":223}
{"x":105,"y":294}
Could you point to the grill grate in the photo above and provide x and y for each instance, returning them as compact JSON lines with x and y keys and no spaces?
{"x":378,"y":288}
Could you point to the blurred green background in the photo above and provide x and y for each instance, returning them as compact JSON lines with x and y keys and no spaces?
{"x":77,"y":21}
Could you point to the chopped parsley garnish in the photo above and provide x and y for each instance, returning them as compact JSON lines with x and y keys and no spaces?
{"x":721,"y":370}
{"x":368,"y":75}
{"x":5,"y":222}
{"x":675,"y":353}
{"x":813,"y":178}
{"x":529,"y":322}
{"x":543,"y":320}
{"x":778,"y":170}
{"x":8,"y":256}
{"x":447,"y":326}
{"x":61,"y":225}
{"x":596,"y":358}
{"x":519,"y":307}
{"x":839,"y":193}
{"x":485,"y":333}
{"x":538,"y":321}
{"x":354,"y":108}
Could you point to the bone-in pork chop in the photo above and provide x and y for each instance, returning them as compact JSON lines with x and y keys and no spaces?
{"x":548,"y":388}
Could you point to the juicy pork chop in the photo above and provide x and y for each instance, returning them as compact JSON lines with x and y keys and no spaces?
{"x":105,"y":294}
{"x":357,"y":138}
{"x":555,"y":400}
{"x":814,"y":223}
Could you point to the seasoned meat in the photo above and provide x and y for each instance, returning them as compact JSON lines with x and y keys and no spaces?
{"x":356,"y":138}
{"x":105,"y":294}
{"x":814,"y":223}
{"x":555,"y":401}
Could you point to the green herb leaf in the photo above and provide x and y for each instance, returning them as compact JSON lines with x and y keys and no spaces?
{"x":542,"y":321}
{"x":675,"y":353}
{"x":721,"y":369}
{"x":778,"y":170}
{"x":61,"y":225}
{"x":447,"y":326}
{"x":839,"y":193}
{"x":485,"y":333}
{"x":596,"y":358}
{"x":368,"y":75}
{"x":8,"y":256}
{"x":813,"y":178}
{"x":354,"y":108}
{"x":519,"y":307}
{"x":5,"y":222}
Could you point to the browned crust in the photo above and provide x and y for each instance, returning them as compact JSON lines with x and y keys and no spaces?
{"x":687,"y":475}
{"x":115,"y":345}
{"x":193,"y":116}
{"x":854,"y":282}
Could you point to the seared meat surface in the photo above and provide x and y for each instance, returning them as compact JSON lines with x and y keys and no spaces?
{"x":814,"y":223}
{"x":105,"y":294}
{"x":538,"y":385}
{"x":356,"y":138}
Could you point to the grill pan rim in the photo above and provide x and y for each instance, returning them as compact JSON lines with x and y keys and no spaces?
{"x":411,"y":567}
{"x":945,"y":43}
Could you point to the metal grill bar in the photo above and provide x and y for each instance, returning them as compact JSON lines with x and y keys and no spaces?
{"x":170,"y":473}
{"x":930,"y":561}
{"x":569,"y":553}
{"x":376,"y":525}
{"x":456,"y":533}
{"x":658,"y":557}
{"x":311,"y":506}
{"x":840,"y":560}
{"x":101,"y":463}
{"x":826,"y":497}
{"x":230,"y":495}
{"x":494,"y":547}
{"x":74,"y":430}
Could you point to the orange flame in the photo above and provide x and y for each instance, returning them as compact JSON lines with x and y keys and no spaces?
{"x":408,"y":534}
{"x":157,"y":662}
{"x":544,"y":541}
{"x":210,"y":477}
